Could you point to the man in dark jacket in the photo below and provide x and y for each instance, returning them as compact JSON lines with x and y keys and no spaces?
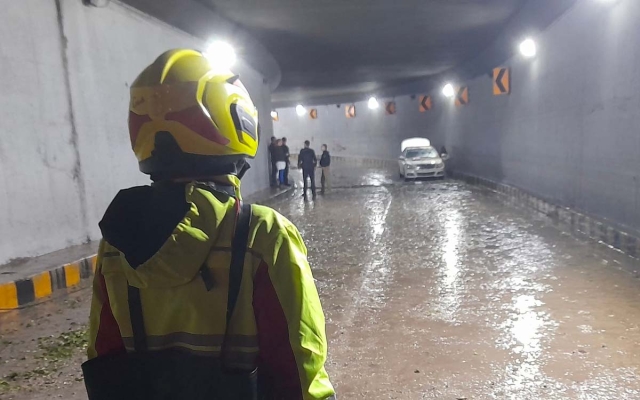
{"x":285,"y":148}
{"x":325,"y":162}
{"x":273,"y":173}
{"x":307,"y":162}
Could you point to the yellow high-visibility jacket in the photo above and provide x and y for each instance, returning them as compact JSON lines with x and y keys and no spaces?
{"x":158,"y":238}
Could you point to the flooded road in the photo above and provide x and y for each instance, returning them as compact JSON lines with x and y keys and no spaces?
{"x":433,"y":290}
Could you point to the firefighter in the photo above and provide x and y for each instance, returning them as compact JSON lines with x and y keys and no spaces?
{"x":195,"y":295}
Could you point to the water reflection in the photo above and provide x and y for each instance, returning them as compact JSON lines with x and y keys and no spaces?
{"x":377,"y":209}
{"x":376,"y":179}
{"x":527,"y":323}
{"x":450,"y":284}
{"x":377,"y":269}
{"x":395,"y":258}
{"x":525,"y":329}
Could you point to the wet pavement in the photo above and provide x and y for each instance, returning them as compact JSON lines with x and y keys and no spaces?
{"x":432,"y":290}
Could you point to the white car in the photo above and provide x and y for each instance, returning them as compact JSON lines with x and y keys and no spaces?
{"x":420,"y":160}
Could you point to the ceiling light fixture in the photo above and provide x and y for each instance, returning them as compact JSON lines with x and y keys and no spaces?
{"x":300,"y":110}
{"x":448,"y":90}
{"x":221,"y":55}
{"x":528,"y":48}
{"x":373,"y":103}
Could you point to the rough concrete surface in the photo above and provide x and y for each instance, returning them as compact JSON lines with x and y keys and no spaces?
{"x":432,"y":290}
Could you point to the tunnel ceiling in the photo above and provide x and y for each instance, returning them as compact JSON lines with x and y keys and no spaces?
{"x":334,"y":47}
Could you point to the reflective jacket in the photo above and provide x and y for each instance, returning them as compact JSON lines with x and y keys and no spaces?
{"x":278,"y":324}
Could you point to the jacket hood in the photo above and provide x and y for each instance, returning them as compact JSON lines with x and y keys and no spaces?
{"x":165,"y":232}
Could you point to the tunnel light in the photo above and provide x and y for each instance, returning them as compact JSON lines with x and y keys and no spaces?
{"x":528,"y":48}
{"x":373,"y":103}
{"x":221,"y":55}
{"x":274,"y":115}
{"x":300,"y":110}
{"x":448,"y":90}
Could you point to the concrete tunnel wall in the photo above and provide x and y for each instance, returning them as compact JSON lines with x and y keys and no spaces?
{"x":64,"y":144}
{"x":372,"y":134}
{"x":569,"y":132}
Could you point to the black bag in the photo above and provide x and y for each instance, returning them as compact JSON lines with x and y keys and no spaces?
{"x":174,"y":374}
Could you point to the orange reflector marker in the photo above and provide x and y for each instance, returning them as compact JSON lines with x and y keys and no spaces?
{"x":462,"y":98}
{"x":425,"y":103}
{"x":390,"y":107}
{"x":501,"y":81}
{"x":350,"y":111}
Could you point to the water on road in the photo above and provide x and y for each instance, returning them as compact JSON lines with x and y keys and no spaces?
{"x":432,"y":290}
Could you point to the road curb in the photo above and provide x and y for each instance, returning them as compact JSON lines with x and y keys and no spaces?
{"x":30,"y":290}
{"x":579,"y":223}
{"x":33,"y":289}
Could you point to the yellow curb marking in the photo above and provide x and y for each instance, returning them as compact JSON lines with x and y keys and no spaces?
{"x":72,"y":274}
{"x":8,"y":296}
{"x":42,"y":285}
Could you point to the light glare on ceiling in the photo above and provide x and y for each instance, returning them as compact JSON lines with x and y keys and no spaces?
{"x":448,"y":90}
{"x":373,"y":103}
{"x":221,"y":55}
{"x":528,"y":48}
{"x":301,"y":110}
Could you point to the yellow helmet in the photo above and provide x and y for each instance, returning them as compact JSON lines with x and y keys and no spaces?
{"x":187,"y":119}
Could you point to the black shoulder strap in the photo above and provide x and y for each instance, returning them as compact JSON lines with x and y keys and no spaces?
{"x":137,"y":320}
{"x":238,"y":252}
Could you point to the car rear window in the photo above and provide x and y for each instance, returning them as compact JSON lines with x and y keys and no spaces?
{"x":422,"y":153}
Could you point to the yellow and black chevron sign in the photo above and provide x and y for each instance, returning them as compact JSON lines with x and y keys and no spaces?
{"x":501,"y":81}
{"x":313,"y":113}
{"x":350,"y":111}
{"x":425,"y":103}
{"x":462,"y":97}
{"x":390,"y":107}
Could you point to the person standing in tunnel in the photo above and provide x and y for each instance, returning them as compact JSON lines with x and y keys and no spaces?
{"x":196,"y":294}
{"x":273,"y":172}
{"x":287,"y":155}
{"x":325,"y":163}
{"x":281,"y":163}
{"x":307,"y":161}
{"x":443,"y":153}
